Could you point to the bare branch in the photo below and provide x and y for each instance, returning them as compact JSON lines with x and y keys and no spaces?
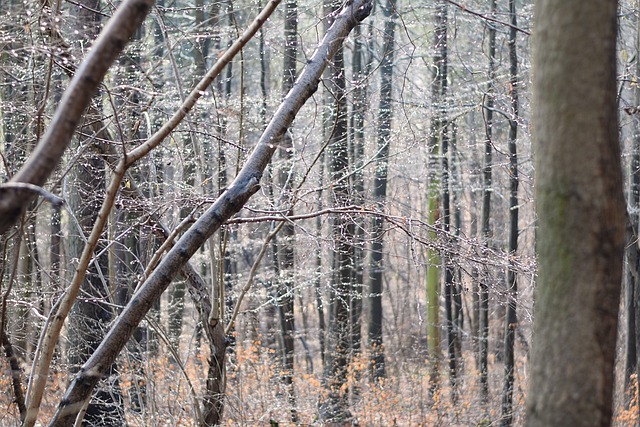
{"x":487,"y":18}
{"x":23,"y":187}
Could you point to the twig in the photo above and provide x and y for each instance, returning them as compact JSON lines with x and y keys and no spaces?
{"x":487,"y":18}
{"x":51,"y":198}
{"x":252,"y":274}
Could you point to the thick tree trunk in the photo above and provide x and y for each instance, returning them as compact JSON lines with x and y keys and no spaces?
{"x":632,"y":284}
{"x":91,"y":315}
{"x":335,"y":408}
{"x":633,"y":247}
{"x":581,"y":214}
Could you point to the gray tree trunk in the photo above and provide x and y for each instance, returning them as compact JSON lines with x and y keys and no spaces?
{"x":446,"y":209}
{"x":285,"y":256}
{"x":92,"y":313}
{"x":335,"y":409}
{"x":487,"y":187}
{"x":581,"y":217}
{"x":633,"y":249}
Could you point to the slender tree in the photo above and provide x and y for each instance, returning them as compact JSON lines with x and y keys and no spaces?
{"x":449,"y":285}
{"x":487,"y":188}
{"x":511,"y":319}
{"x":434,"y":191}
{"x":385,"y":116}
{"x":286,"y":286}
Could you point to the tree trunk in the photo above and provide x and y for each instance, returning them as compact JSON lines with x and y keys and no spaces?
{"x":286,"y":285}
{"x":91,"y":315}
{"x":435,"y":138}
{"x":446,"y":210}
{"x":633,"y":249}
{"x":335,"y":409}
{"x":385,"y":117}
{"x":580,"y":208}
{"x":511,"y":319}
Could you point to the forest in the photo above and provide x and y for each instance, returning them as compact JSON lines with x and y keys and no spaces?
{"x":329,"y":213}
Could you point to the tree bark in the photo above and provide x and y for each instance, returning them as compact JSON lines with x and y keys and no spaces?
{"x":434,"y":200}
{"x":335,"y":408}
{"x":487,"y":189}
{"x":285,"y":257}
{"x":90,"y":316}
{"x":511,"y":319}
{"x":385,"y":117}
{"x":580,"y":208}
{"x":446,"y":211}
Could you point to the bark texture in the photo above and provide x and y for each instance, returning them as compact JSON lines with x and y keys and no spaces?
{"x":581,"y":214}
{"x":511,"y":322}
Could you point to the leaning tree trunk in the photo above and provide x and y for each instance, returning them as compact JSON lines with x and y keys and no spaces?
{"x":581,"y":217}
{"x":230,"y":202}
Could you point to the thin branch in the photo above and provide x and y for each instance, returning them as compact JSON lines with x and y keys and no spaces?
{"x":23,"y":186}
{"x":487,"y":18}
{"x":252,"y":275}
{"x":354,"y":209}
